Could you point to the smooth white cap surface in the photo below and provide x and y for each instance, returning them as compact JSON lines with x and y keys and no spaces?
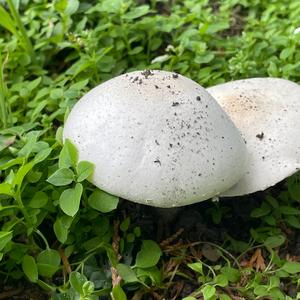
{"x":156,"y":138}
{"x":267,"y":113}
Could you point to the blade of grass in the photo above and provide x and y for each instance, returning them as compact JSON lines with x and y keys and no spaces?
{"x":22,"y":34}
{"x":6,"y":21}
{"x":4,"y":106}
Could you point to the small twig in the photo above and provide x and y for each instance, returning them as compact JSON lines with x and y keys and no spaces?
{"x":179,"y":288}
{"x":65,"y":261}
{"x":172,"y":238}
{"x":115,"y":277}
{"x":156,"y":296}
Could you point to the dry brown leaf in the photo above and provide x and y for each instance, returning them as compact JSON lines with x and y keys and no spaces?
{"x":257,"y":261}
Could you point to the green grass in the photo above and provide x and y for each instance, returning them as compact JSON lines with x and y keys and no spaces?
{"x":51,"y":53}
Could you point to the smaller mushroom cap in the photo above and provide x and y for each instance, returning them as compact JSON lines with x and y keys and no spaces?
{"x":267,"y":113}
{"x":156,"y":138}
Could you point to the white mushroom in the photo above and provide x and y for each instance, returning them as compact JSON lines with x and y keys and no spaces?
{"x":156,"y":138}
{"x":267,"y":113}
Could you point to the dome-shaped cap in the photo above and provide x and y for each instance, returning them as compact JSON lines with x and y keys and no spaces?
{"x":267,"y":113}
{"x":156,"y":138}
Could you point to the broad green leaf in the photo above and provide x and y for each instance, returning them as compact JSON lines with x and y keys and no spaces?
{"x":149,"y":255}
{"x":126,"y":273}
{"x":60,"y":5}
{"x":273,"y":69}
{"x":30,"y":268}
{"x":42,"y":155}
{"x":204,"y":58}
{"x":48,"y":262}
{"x":20,"y":175}
{"x":37,"y":110}
{"x":87,"y":289}
{"x":39,"y":200}
{"x":103,"y":201}
{"x":293,"y":221}
{"x":294,"y":189}
{"x":137,"y":12}
{"x":137,"y":231}
{"x":68,"y":155}
{"x":285,"y":53}
{"x":30,"y":143}
{"x":272,"y":201}
{"x":197,"y":267}
{"x":77,"y":281}
{"x":276,"y":293}
{"x":291,"y":267}
{"x":34,"y":83}
{"x":221,"y":280}
{"x":56,"y":94}
{"x":118,"y":293}
{"x":274,"y":282}
{"x":108,"y":6}
{"x":153,"y":273}
{"x":217,"y":26}
{"x":84,"y":170}
{"x":6,"y":189}
{"x":61,"y":177}
{"x":189,"y":298}
{"x":233,"y":275}
{"x":208,"y":292}
{"x":5,"y":238}
{"x":274,"y":241}
{"x":79,"y":85}
{"x":66,"y":7}
{"x":125,"y":224}
{"x":72,"y":7}
{"x":34,"y":176}
{"x":261,"y":290}
{"x":261,"y":211}
{"x":224,"y":297}
{"x":288,"y":210}
{"x":69,"y":200}
{"x":61,"y":228}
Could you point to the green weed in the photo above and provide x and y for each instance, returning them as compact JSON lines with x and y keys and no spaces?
{"x":64,"y":235}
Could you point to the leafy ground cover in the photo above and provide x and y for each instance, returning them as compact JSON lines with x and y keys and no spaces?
{"x":60,"y":237}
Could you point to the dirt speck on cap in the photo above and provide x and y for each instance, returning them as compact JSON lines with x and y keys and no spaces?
{"x":260,"y":135}
{"x":157,"y":161}
{"x":147,"y":73}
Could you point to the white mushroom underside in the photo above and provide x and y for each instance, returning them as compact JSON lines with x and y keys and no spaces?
{"x":267,"y":113}
{"x":157,"y":139}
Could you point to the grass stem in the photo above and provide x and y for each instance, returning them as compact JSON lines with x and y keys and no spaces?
{"x":4,"y":111}
{"x":23,"y":35}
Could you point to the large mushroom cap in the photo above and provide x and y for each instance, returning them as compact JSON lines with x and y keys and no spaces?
{"x":156,"y":138}
{"x":267,"y":113}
